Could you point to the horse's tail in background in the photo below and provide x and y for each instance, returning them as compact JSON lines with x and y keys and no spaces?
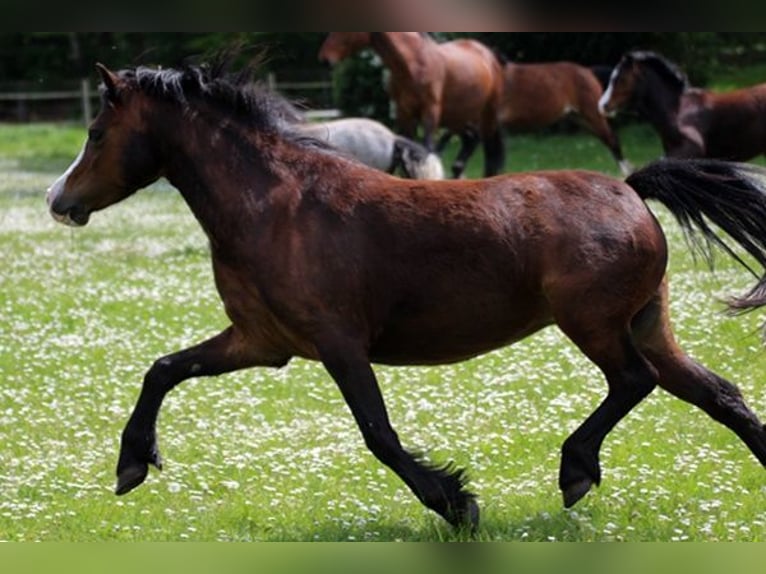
{"x":415,"y":160}
{"x":731,"y":196}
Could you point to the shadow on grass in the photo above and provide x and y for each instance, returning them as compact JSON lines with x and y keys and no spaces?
{"x":541,"y":527}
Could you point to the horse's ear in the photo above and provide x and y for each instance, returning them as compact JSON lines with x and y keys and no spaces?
{"x":110,"y":80}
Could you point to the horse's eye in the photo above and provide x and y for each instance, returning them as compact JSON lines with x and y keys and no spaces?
{"x":95,"y":135}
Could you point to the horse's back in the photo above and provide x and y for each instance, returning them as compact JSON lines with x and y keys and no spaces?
{"x":538,"y":94}
{"x":465,"y":50}
{"x":732,"y":124}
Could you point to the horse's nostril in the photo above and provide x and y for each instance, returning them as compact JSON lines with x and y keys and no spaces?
{"x":67,"y":213}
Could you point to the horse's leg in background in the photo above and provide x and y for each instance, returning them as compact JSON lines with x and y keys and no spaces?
{"x":599,"y":126}
{"x":226,"y":352}
{"x":494,"y":152}
{"x":491,"y":134}
{"x":440,"y":489}
{"x":443,"y":141}
{"x":406,"y":124}
{"x":692,"y":382}
{"x":469,"y":140}
{"x":430,"y":122}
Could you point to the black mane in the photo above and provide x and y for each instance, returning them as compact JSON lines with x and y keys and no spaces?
{"x":662,"y":66}
{"x":238,"y":95}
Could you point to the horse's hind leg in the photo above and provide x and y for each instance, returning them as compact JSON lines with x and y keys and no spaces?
{"x":630,"y":378}
{"x":692,"y":382}
{"x":440,"y":489}
{"x":494,"y":152}
{"x":469,"y":140}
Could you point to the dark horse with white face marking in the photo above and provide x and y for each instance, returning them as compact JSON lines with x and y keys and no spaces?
{"x":691,"y":122}
{"x":320,"y":257}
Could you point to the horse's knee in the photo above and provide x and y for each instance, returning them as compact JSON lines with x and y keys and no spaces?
{"x":163,"y":375}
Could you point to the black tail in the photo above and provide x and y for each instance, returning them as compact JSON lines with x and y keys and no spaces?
{"x":414,"y":160}
{"x":732,"y":196}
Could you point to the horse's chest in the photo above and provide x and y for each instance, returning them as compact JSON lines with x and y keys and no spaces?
{"x":253,"y":314}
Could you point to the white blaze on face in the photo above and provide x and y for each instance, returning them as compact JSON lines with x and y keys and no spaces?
{"x":607,"y":95}
{"x":55,"y":190}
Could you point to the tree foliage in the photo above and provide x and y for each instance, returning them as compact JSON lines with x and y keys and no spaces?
{"x":52,"y":59}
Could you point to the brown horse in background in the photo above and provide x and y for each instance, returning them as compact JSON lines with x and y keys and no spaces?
{"x":321,"y":257}
{"x":691,"y":122}
{"x":538,"y":95}
{"x":456,"y":85}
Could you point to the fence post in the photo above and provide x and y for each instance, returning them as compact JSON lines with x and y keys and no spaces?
{"x":85,"y":94}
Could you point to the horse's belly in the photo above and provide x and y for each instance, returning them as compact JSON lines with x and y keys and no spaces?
{"x":456,"y":118}
{"x":455,"y":335}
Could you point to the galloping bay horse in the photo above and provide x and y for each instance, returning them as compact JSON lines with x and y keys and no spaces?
{"x":456,"y":85}
{"x":321,"y":257}
{"x":691,"y":122}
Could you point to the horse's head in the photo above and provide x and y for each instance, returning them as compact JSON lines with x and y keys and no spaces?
{"x":622,"y":85}
{"x":340,"y":45}
{"x":116,"y":160}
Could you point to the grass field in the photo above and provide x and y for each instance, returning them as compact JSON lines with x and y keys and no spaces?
{"x":275,"y":455}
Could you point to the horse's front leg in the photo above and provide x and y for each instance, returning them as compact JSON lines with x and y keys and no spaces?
{"x":430,"y":123}
{"x":440,"y":489}
{"x":226,"y":352}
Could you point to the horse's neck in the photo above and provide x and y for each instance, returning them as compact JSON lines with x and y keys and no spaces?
{"x":400,"y":50}
{"x":218,"y":171}
{"x":659,"y":104}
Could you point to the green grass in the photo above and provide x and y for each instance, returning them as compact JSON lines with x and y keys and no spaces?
{"x":275,"y":455}
{"x":733,"y":77}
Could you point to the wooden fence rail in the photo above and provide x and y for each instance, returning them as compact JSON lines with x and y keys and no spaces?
{"x":86,"y":94}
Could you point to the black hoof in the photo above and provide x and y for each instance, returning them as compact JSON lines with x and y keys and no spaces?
{"x":130,"y":477}
{"x":471,"y":516}
{"x":576,"y":491}
{"x":466,"y":518}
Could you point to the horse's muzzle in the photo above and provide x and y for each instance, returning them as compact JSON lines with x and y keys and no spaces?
{"x":71,"y":215}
